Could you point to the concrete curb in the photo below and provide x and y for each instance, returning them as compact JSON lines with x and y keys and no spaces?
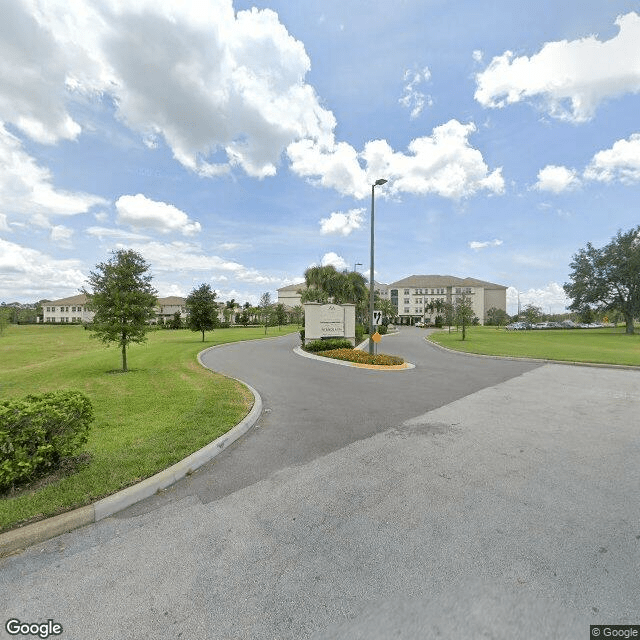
{"x":597,"y":365}
{"x":22,"y":537}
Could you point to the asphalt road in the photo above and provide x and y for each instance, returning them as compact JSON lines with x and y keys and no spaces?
{"x":467,"y":497}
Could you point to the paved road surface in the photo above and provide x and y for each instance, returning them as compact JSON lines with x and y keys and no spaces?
{"x":464,"y":498}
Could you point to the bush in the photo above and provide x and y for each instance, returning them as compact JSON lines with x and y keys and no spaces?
{"x":382,"y":330}
{"x":359,"y":333}
{"x":302,"y":335}
{"x":37,"y":432}
{"x":325,"y":345}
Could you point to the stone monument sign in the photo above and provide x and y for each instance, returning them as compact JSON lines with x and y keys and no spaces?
{"x":329,"y":321}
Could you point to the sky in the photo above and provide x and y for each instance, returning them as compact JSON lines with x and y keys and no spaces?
{"x":235,"y":143}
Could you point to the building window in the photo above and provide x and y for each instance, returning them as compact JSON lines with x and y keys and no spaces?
{"x":406,"y":292}
{"x":406,"y":300}
{"x":418,"y":300}
{"x":406,"y":309}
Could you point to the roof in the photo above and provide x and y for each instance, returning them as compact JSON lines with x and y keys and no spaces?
{"x":79,"y":299}
{"x":176,"y":301}
{"x":293,"y":287}
{"x":435,"y":281}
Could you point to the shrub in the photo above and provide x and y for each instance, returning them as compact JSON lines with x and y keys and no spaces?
{"x":382,"y":329}
{"x":325,"y":345}
{"x":302,"y":335}
{"x":37,"y":432}
{"x":361,"y":357}
{"x":359,"y":333}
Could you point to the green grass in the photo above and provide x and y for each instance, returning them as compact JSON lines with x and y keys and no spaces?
{"x":165,"y":408}
{"x":603,"y":346}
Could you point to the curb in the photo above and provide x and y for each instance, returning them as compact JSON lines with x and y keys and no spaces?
{"x":19,"y":539}
{"x":597,"y":365}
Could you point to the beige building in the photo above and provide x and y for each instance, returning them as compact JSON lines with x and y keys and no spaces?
{"x":411,"y":296}
{"x":66,"y":310}
{"x":74,"y":309}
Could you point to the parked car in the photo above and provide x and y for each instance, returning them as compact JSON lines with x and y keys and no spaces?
{"x":518,"y":326}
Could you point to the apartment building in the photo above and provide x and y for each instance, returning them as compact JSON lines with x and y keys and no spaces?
{"x":74,"y":310}
{"x":411,"y":296}
{"x":67,"y":310}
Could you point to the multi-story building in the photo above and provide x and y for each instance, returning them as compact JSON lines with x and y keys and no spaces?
{"x":74,"y":309}
{"x":412,"y":296}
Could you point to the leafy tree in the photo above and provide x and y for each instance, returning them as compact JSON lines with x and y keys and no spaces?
{"x":202,"y":309}
{"x":266,"y":307}
{"x":463,"y":313}
{"x":122,"y":299}
{"x":497,"y":317}
{"x":298,"y":314}
{"x":176,"y":321}
{"x":388,"y":309}
{"x":531,"y":313}
{"x":608,"y":278}
{"x":280,"y":315}
{"x":5,"y":314}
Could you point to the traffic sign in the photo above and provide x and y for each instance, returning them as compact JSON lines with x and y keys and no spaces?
{"x":377,"y":317}
{"x":376,"y":337}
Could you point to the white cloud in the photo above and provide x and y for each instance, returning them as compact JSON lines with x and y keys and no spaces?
{"x":183,"y":257}
{"x":476,"y":246}
{"x":342,"y":223}
{"x":570,"y":77}
{"x":551,"y":298}
{"x":556,"y":179}
{"x":222,"y":88}
{"x":621,"y":162}
{"x":4,"y":226}
{"x":61,"y":235}
{"x":443,"y":164}
{"x":334,"y":260}
{"x":26,"y":188}
{"x":28,"y":273}
{"x":412,"y":98}
{"x":115,"y":234}
{"x":477,"y":55}
{"x":140,"y":212}
{"x":334,"y":166}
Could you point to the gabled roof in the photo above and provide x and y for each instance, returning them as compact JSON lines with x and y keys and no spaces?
{"x":176,"y":301}
{"x":293,"y":287}
{"x":435,"y":281}
{"x":79,"y":299}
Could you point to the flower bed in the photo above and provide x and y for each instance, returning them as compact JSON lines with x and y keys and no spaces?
{"x":361,"y":357}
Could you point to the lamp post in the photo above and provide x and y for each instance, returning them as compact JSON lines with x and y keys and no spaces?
{"x":377,"y":183}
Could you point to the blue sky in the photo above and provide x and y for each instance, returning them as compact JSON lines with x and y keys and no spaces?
{"x":235,"y":143}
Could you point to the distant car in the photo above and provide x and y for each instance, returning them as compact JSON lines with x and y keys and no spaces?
{"x":517,"y":326}
{"x":420,"y":324}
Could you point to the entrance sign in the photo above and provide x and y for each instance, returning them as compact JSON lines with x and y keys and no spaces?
{"x":331,"y":321}
{"x":324,"y":321}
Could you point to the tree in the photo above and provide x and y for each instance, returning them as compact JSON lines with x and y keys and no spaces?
{"x":463,"y":313}
{"x":122,"y":299}
{"x":608,"y":278}
{"x":297,"y":315}
{"x":265,"y":305}
{"x":497,"y":317}
{"x":5,"y":314}
{"x":531,"y":313}
{"x":202,"y":309}
{"x":281,"y":315}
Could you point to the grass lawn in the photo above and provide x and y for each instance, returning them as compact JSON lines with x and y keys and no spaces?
{"x":605,"y":346}
{"x":165,"y":408}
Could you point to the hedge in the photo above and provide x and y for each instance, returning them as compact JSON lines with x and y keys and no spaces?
{"x":324,"y":345}
{"x":38,"y":431}
{"x":362,"y":357}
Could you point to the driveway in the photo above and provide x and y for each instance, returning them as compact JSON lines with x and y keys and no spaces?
{"x":467,"y":497}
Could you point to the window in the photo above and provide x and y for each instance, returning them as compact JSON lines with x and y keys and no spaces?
{"x":418,"y":300}
{"x":406,"y":292}
{"x":406,"y":309}
{"x":406,"y":300}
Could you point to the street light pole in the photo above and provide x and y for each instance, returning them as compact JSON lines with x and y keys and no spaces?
{"x":377,"y":183}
